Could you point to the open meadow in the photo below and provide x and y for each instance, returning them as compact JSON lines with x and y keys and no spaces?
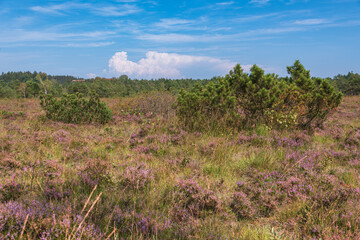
{"x":142,"y":176}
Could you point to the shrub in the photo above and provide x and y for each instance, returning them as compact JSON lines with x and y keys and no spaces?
{"x":206,"y":107}
{"x":316,"y":97}
{"x":242,"y":100}
{"x":73,"y":108}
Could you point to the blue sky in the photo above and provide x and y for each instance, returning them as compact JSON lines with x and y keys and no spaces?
{"x":161,"y":38}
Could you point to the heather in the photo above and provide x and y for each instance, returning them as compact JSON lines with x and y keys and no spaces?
{"x":142,"y":175}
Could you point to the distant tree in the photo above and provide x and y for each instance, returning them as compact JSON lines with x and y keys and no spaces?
{"x":33,"y":88}
{"x":22,"y":88}
{"x":348,"y":84}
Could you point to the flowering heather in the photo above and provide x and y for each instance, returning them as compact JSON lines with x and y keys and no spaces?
{"x":208,"y":149}
{"x":137,"y":177}
{"x":94,"y":172}
{"x":142,"y":176}
{"x":62,"y":137}
{"x":45,"y":221}
{"x":192,"y":198}
{"x":10,"y":190}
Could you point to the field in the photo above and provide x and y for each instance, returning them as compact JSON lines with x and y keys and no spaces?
{"x":143,"y":177}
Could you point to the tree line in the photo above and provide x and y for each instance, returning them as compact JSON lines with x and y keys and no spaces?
{"x":33,"y":84}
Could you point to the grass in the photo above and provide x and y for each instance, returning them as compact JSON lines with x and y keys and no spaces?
{"x":142,"y":177}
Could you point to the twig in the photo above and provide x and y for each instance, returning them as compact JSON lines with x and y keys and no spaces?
{"x":23,"y":229}
{"x":87,"y":201}
{"x":87,"y":214}
{"x":113,"y":232}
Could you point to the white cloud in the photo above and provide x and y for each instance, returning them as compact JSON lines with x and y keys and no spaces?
{"x":169,"y":65}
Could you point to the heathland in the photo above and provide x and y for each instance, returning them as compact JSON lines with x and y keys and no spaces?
{"x":146,"y":175}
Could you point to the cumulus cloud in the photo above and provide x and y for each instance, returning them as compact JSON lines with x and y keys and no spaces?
{"x":168,"y":65}
{"x":91,"y":75}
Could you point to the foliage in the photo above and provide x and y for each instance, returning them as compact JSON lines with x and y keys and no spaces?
{"x":30,"y":85}
{"x":348,"y":84}
{"x":11,"y":115}
{"x":73,"y":108}
{"x":315,"y":97}
{"x":241,"y":100}
{"x":206,"y":107}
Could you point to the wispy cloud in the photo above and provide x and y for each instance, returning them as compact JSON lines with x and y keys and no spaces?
{"x":21,"y":35}
{"x":312,"y":21}
{"x":82,"y":45}
{"x":58,"y":9}
{"x":61,"y":44}
{"x":123,"y":10}
{"x":175,"y":37}
{"x":225,"y":3}
{"x":126,"y":1}
{"x":252,"y":18}
{"x":171,"y":22}
{"x":259,"y":2}
{"x":110,"y":10}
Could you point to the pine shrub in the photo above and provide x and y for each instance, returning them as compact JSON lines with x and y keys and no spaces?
{"x":74,"y":108}
{"x":243,"y":100}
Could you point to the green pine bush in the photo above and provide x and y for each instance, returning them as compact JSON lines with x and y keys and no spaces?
{"x":74,"y":108}
{"x":244,"y":100}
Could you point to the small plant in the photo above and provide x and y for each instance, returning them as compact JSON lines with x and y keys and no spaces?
{"x":137,"y":177}
{"x":73,"y":108}
{"x":191,"y":198}
{"x":11,"y":115}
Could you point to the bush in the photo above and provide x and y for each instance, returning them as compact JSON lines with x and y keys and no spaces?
{"x":242,"y":100}
{"x":207,"y":107}
{"x":73,"y":108}
{"x":315,"y":97}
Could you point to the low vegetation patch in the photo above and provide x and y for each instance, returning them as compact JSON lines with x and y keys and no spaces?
{"x":74,"y":108}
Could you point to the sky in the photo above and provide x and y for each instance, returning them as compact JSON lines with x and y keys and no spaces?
{"x":178,"y":39}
